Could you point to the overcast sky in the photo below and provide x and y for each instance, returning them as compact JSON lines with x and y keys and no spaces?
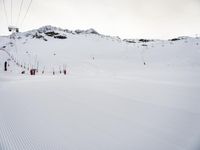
{"x":124,"y":18}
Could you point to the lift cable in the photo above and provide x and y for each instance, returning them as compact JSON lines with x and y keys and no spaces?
{"x":19,"y":12}
{"x":6,"y":15}
{"x":11,"y":8}
{"x":29,"y":6}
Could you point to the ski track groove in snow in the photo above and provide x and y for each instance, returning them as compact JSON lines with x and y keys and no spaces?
{"x":148,"y":131}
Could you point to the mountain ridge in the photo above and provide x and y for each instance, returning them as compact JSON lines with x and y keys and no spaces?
{"x":61,"y":33}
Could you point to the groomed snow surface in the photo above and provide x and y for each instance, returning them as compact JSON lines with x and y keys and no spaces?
{"x":109,"y":100}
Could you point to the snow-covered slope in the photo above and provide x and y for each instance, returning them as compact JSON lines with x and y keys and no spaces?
{"x":118,"y":94}
{"x":52,"y":47}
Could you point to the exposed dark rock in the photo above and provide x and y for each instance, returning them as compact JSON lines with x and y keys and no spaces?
{"x":45,"y":39}
{"x":91,"y":31}
{"x":175,"y":39}
{"x":37,"y":36}
{"x":60,"y":37}
{"x":144,"y":45}
{"x":79,"y":31}
{"x":179,"y":38}
{"x":144,"y":40}
{"x":51,"y":33}
{"x":129,"y":41}
{"x":68,"y":31}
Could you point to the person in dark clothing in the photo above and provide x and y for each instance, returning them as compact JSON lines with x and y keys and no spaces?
{"x":65,"y":71}
{"x":5,"y":66}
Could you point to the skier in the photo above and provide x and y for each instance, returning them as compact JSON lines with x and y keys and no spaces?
{"x":5,"y":66}
{"x":65,"y":71}
{"x":32,"y":71}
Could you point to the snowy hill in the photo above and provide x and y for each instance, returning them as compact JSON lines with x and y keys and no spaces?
{"x":53,"y":47}
{"x":118,"y":94}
